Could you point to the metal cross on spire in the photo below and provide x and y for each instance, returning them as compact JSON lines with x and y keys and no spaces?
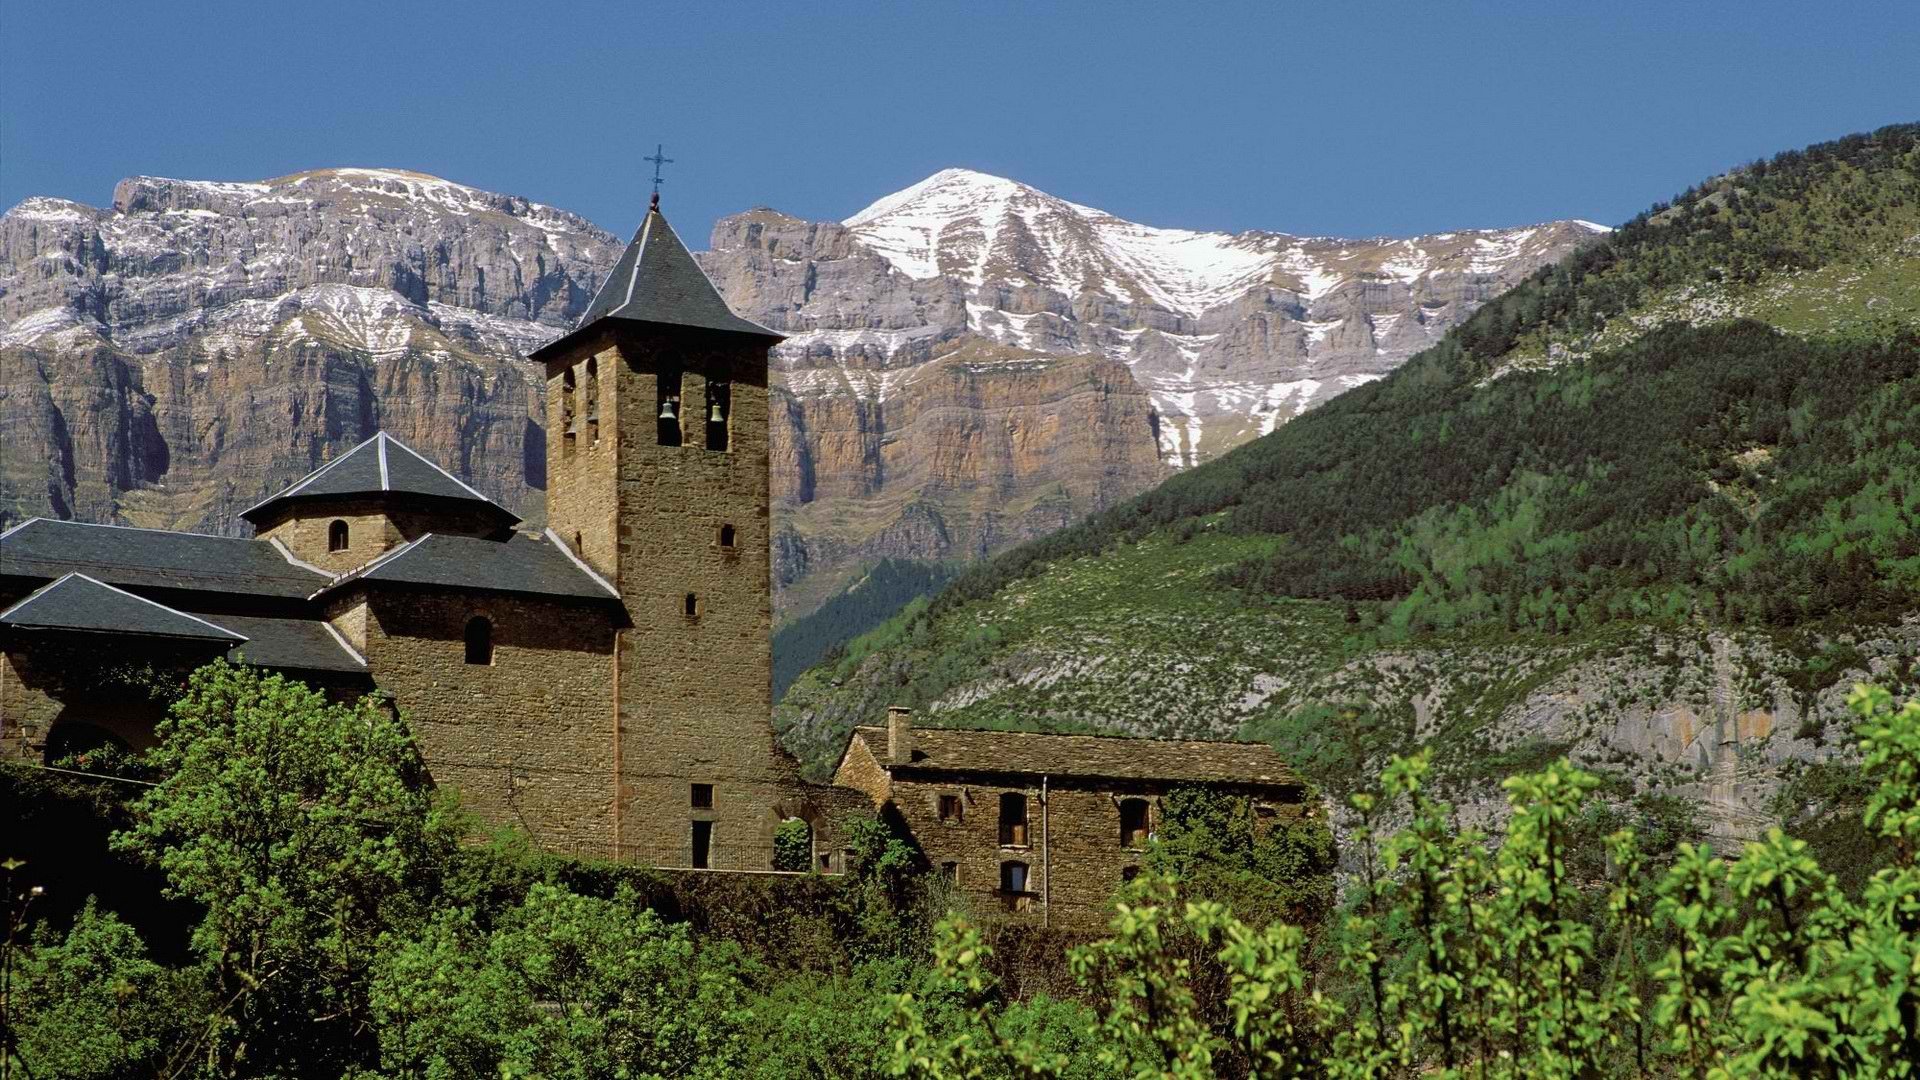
{"x":659,"y":158}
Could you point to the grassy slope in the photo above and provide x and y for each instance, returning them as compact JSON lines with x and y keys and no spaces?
{"x":1499,"y":548}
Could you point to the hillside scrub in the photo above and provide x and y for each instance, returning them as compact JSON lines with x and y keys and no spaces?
{"x":1717,"y":468}
{"x":346,"y":932}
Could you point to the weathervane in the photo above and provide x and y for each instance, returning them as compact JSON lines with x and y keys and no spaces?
{"x":659,"y":158}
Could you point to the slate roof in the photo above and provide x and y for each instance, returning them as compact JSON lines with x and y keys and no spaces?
{"x":307,"y":644}
{"x":382,"y":465}
{"x":540,"y":566}
{"x":153,"y":558}
{"x":657,"y":281}
{"x":77,"y":602}
{"x":1102,"y":756}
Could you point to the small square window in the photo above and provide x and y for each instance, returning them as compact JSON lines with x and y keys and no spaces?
{"x":703,"y":796}
{"x":950,"y":810}
{"x":950,"y":871}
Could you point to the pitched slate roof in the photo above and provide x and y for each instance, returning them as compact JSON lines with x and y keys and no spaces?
{"x":540,"y":566}
{"x":1103,"y":756}
{"x":657,"y":281}
{"x":153,"y":558}
{"x":77,"y":602}
{"x":382,"y":465}
{"x":307,"y":644}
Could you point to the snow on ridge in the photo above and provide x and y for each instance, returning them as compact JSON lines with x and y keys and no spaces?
{"x":1592,"y":226}
{"x":48,"y":208}
{"x":47,"y":322}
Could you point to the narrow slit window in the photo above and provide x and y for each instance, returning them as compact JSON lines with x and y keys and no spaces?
{"x":479,"y":640}
{"x":1133,"y":822}
{"x":337,"y":536}
{"x":668,"y":391}
{"x":702,"y":845}
{"x":593,"y":400}
{"x":569,"y":410}
{"x":726,"y":536}
{"x":719,"y":413}
{"x":1013,"y":819}
{"x":691,"y":605}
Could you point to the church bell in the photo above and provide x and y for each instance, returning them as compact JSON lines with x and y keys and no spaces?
{"x":713,"y":414}
{"x":666,"y":410}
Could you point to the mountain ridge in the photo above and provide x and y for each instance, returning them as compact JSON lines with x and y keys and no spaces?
{"x":196,"y":339}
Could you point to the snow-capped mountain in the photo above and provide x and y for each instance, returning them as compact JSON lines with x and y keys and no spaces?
{"x":1231,"y":334}
{"x":972,"y":361}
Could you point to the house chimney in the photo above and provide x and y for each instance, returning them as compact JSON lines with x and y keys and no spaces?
{"x":899,"y":735}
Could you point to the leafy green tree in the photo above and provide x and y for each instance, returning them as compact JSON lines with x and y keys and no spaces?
{"x":566,"y":986}
{"x":307,"y":831}
{"x":1216,"y":846}
{"x":793,"y":846}
{"x":94,"y":1004}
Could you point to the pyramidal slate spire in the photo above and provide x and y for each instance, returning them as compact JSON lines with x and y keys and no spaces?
{"x":657,"y":281}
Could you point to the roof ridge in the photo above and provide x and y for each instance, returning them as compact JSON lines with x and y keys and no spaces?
{"x":579,"y":562}
{"x":429,"y":463}
{"x":1115,"y":736}
{"x":381,"y":446}
{"x":311,"y":476}
{"x":640,"y":239}
{"x":378,"y":560}
{"x":48,"y":588}
{"x":287,"y":553}
{"x":344,"y":644}
{"x":709,"y":279}
{"x":129,"y":528}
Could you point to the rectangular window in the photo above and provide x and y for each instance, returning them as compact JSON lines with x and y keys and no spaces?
{"x":950,"y":810}
{"x":702,"y":844}
{"x":1133,"y":822}
{"x":703,"y":796}
{"x":1013,"y":877}
{"x":950,"y":871}
{"x":1013,"y":819}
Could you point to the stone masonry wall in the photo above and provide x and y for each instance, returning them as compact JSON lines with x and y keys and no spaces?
{"x":695,"y":688}
{"x":1073,"y":851}
{"x":29,"y":703}
{"x":527,"y":740}
{"x":374,"y":527}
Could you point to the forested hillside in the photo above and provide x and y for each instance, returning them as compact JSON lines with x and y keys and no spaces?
{"x":1649,"y":507}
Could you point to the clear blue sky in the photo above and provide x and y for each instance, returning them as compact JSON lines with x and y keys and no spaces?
{"x":1334,"y":117}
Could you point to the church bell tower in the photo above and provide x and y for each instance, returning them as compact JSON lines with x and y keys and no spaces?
{"x":657,"y":477}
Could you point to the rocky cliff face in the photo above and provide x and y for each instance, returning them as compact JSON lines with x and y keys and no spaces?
{"x":170,"y":360}
{"x":972,"y":362}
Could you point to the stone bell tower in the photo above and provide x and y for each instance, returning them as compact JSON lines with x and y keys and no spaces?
{"x":657,"y":476}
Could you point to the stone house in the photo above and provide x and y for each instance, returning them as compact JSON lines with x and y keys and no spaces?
{"x":1042,"y":828}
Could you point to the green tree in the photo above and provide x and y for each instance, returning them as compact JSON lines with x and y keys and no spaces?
{"x":566,"y":986}
{"x":306,"y":830}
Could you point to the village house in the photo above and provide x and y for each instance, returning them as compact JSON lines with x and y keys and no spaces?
{"x":603,"y":684}
{"x":1043,"y":828}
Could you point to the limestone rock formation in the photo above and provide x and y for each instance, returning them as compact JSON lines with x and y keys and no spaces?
{"x":971,"y":362}
{"x":168,"y":361}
